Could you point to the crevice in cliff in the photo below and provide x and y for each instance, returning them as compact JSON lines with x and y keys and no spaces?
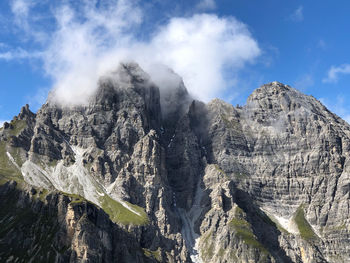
{"x":188,"y":219}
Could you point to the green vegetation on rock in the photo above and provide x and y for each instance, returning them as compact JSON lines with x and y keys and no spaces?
{"x":53,"y":163}
{"x":304,"y":227}
{"x":41,"y":194}
{"x":207,"y":252}
{"x":75,"y":199}
{"x":17,"y":127}
{"x":217,"y":167}
{"x":8,"y":171}
{"x":244,"y":231}
{"x":16,"y":155}
{"x":120,"y":214}
{"x":156,"y":254}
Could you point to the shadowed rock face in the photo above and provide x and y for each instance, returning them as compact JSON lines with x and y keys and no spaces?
{"x":53,"y":227}
{"x":146,"y":174}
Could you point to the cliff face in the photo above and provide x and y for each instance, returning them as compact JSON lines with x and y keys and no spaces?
{"x":287,"y":155}
{"x":142,"y":174}
{"x":42,"y":226}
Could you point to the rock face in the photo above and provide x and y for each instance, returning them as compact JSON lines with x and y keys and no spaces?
{"x":142,"y":173}
{"x":51,"y":227}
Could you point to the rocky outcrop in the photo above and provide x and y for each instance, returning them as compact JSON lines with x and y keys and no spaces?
{"x":142,"y":173}
{"x":42,"y":226}
{"x":287,"y":152}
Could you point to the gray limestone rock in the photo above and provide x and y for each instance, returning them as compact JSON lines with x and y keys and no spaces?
{"x":144,"y":173}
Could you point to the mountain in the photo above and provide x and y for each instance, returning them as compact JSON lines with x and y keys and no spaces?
{"x":145,"y":173}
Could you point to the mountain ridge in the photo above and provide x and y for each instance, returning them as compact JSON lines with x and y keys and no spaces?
{"x":184,"y":180}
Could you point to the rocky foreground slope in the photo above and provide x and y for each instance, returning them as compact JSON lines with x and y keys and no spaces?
{"x":146,"y":174}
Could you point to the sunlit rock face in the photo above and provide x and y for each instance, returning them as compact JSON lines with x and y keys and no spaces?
{"x":144,"y":173}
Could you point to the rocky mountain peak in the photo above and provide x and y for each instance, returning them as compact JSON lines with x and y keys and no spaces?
{"x":274,"y":88}
{"x":274,"y":91}
{"x":144,"y":173}
{"x":275,"y":100}
{"x":126,"y":75}
{"x":25,"y":113}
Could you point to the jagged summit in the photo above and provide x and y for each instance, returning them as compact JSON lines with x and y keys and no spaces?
{"x":277,"y":86}
{"x":127,"y":75}
{"x":274,"y":90}
{"x":273,"y":99}
{"x":144,"y":173}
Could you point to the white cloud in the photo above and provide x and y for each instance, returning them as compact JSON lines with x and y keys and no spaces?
{"x":19,"y":53}
{"x":25,"y":19}
{"x":201,"y":47}
{"x":334,"y":72}
{"x":298,"y":14}
{"x":2,"y":123}
{"x":204,"y":5}
{"x":90,"y":41}
{"x":37,"y":99}
{"x":20,"y":8}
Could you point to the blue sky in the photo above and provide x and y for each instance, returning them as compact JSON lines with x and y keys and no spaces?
{"x":65,"y":45}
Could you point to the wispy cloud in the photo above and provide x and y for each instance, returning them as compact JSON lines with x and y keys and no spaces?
{"x":25,"y":19}
{"x":335,"y":71}
{"x":20,"y":53}
{"x":37,"y":99}
{"x":298,"y":14}
{"x":21,"y":10}
{"x":206,"y":5}
{"x":90,"y":40}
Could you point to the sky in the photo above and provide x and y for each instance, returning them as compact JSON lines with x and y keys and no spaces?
{"x":221,"y":48}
